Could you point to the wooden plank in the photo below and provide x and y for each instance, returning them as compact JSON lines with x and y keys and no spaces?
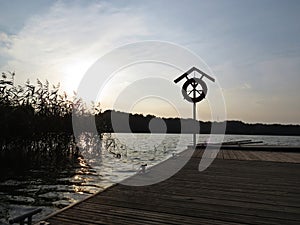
{"x":241,"y":190}
{"x":214,"y":201}
{"x":255,"y":153}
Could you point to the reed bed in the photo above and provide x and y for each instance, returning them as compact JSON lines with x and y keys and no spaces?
{"x":36,"y":125}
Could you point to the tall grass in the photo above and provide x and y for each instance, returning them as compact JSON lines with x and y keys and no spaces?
{"x":36,"y":124}
{"x":29,"y":109}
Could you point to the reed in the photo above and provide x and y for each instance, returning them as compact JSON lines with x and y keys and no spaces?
{"x":36,"y":125}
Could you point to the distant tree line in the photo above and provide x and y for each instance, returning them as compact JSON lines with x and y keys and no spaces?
{"x":138,"y":123}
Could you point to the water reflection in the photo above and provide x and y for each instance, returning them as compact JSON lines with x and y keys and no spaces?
{"x":44,"y":171}
{"x":51,"y":171}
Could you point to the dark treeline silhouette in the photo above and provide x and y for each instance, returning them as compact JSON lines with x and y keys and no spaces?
{"x":113,"y":121}
{"x":139,"y":123}
{"x":238,"y":127}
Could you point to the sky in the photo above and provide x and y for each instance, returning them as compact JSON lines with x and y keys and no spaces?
{"x":251,"y":47}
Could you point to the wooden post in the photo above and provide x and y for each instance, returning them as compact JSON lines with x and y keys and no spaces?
{"x":194,"y":130}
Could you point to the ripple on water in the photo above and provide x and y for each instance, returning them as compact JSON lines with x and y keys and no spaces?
{"x":52,"y":191}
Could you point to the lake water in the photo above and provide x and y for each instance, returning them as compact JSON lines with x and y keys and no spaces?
{"x":121,"y":156}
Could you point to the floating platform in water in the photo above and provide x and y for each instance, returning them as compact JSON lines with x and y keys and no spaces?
{"x":247,"y":145}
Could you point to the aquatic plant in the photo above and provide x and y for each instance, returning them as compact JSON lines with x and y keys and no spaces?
{"x":36,"y":124}
{"x":37,"y":108}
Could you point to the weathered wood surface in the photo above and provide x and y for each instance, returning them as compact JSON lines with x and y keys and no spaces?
{"x":228,"y":192}
{"x":292,"y":157}
{"x":248,"y":145}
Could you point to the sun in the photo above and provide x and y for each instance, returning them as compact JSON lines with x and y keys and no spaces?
{"x":73,"y":73}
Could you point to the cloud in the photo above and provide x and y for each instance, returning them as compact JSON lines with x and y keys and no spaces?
{"x":68,"y":35}
{"x":255,"y":61}
{"x":265,"y":91}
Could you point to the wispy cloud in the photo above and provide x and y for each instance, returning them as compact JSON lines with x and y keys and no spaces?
{"x":264,"y":91}
{"x":68,"y":39}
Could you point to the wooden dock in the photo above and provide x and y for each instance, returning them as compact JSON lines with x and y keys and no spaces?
{"x":240,"y":187}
